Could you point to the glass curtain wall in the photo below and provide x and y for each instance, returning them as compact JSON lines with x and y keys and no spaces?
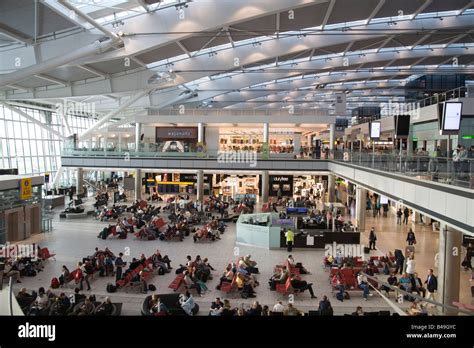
{"x":30,"y":148}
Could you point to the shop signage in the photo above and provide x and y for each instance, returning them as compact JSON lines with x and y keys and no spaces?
{"x":26,"y":190}
{"x":174,"y":133}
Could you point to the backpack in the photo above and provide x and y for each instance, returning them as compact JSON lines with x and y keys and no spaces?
{"x":55,"y":283}
{"x":111,"y":287}
{"x":151,"y":287}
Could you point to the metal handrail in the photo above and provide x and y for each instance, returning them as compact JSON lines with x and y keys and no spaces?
{"x":394,"y":288}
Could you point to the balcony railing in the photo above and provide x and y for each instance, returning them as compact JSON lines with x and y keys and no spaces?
{"x":438,"y":169}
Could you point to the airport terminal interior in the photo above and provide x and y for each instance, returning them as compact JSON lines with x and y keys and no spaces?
{"x":237,"y":158}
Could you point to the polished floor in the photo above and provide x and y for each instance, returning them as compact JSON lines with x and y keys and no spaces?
{"x":73,"y":239}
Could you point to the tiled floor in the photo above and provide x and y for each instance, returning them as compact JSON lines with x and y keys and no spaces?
{"x":73,"y":239}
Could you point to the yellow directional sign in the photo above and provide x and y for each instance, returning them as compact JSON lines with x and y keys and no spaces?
{"x":26,"y":190}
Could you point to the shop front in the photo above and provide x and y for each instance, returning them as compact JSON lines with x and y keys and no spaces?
{"x":303,"y":185}
{"x":176,"y":139}
{"x":282,"y":184}
{"x":236,"y":185}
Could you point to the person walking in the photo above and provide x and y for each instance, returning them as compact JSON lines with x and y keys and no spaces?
{"x":406,"y":214}
{"x":290,"y":237}
{"x":411,"y":237}
{"x":431,"y":285}
{"x":372,"y":239}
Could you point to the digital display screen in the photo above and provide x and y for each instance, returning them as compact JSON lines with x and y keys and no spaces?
{"x":452,"y":116}
{"x":375,"y":130}
{"x":402,"y":127}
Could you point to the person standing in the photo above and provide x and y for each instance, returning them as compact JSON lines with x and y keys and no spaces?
{"x":406,"y":214}
{"x":119,"y":263}
{"x":372,"y":239}
{"x":411,"y":237}
{"x":399,"y":216}
{"x":290,"y":237}
{"x":431,"y":285}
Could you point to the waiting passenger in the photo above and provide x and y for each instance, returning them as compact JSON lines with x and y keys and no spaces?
{"x":278,"y":307}
{"x":292,"y":311}
{"x":302,"y":285}
{"x":105,"y":308}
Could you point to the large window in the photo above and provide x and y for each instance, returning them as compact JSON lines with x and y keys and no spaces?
{"x":30,"y":148}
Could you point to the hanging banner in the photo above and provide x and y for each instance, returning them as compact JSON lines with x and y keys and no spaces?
{"x":26,"y":190}
{"x":341,"y":106}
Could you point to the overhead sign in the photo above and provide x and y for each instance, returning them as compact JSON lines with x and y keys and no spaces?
{"x":26,"y":190}
{"x":341,"y":105}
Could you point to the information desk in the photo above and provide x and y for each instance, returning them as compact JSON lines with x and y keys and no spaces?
{"x":265,"y":231}
{"x":317,"y":239}
{"x":54,"y":201}
{"x":258,"y":230}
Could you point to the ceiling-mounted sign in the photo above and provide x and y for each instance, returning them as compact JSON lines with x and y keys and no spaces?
{"x":341,"y":105}
{"x":176,"y":133}
{"x":26,"y":190}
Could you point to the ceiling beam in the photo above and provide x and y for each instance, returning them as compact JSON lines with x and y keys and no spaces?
{"x":424,"y":38}
{"x":185,"y":50}
{"x":375,"y":11}
{"x":52,"y":79}
{"x":277,"y":24}
{"x":467,"y":7}
{"x":143,"y":4}
{"x":14,"y":34}
{"x":328,"y":13}
{"x":138,"y":61}
{"x":93,"y":71}
{"x":386,"y":41}
{"x":421,"y":8}
{"x":229,"y":37}
{"x":208,"y":42}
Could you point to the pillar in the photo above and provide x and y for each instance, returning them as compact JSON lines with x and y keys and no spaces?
{"x":138,"y":133}
{"x":200,"y":185}
{"x":79,"y":181}
{"x":331,"y":189}
{"x":119,"y":145}
{"x":200,"y":132}
{"x":138,"y":184}
{"x":449,"y":267}
{"x":266,"y":132}
{"x":265,"y":186}
{"x":361,"y":206}
{"x":332,"y":135}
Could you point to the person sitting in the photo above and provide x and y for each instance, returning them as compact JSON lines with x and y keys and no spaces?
{"x":364,"y":285}
{"x":188,"y":305}
{"x":41,"y":302}
{"x":190,"y":283}
{"x":249,"y":265}
{"x":278,"y":307}
{"x":244,"y":285}
{"x":292,"y":311}
{"x":279,"y":278}
{"x":161,"y":261}
{"x":157,"y":307}
{"x":414,"y":309}
{"x":105,"y":308}
{"x":63,"y":304}
{"x":24,"y":298}
{"x":216,"y":307}
{"x":227,"y":309}
{"x":325,"y":308}
{"x":87,"y":308}
{"x":255,"y":310}
{"x":419,"y":285}
{"x":227,"y":276}
{"x":405,"y":283}
{"x":11,"y":271}
{"x":302,"y":285}
{"x":392,"y":280}
{"x":77,"y":297}
{"x":358,"y":311}
{"x":297,"y":265}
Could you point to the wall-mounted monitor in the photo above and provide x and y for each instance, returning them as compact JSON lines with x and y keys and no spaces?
{"x":452,"y":114}
{"x":375,"y":128}
{"x":402,"y":126}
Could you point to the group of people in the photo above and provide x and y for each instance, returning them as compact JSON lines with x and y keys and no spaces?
{"x":244,"y":273}
{"x":196,"y":273}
